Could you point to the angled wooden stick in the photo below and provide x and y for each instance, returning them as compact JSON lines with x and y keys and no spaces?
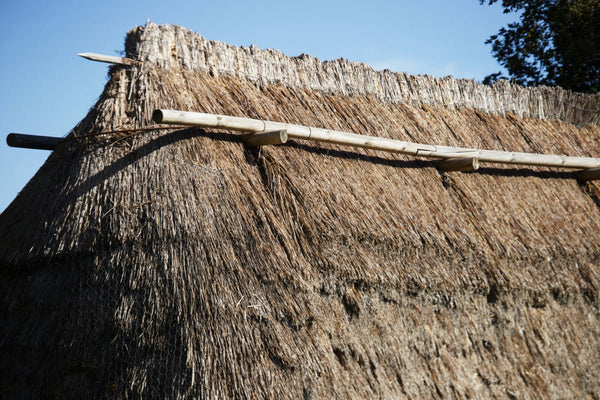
{"x":107,"y":59}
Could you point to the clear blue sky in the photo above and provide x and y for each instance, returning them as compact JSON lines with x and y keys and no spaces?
{"x":46,"y":89}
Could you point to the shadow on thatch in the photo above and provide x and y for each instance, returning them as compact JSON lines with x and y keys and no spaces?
{"x":187,"y":134}
{"x":524,"y":173}
{"x":145,"y":150}
{"x":354,"y":155}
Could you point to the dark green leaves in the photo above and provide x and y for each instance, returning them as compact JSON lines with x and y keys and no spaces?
{"x":555,"y":42}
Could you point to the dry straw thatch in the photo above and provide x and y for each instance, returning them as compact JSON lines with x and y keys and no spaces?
{"x":181,"y":264}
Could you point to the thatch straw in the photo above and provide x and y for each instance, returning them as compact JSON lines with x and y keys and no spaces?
{"x":183,"y":264}
{"x":175,"y":47}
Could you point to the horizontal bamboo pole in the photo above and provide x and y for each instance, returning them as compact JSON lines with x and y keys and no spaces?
{"x":370,"y":142}
{"x":106,"y":59}
{"x":458,"y":164}
{"x":32,"y":141}
{"x":265,"y":138}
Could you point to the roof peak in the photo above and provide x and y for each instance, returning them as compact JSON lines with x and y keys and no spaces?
{"x":174,"y":47}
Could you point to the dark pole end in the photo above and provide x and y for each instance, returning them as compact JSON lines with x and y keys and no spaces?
{"x":157,"y":116}
{"x":32,"y":141}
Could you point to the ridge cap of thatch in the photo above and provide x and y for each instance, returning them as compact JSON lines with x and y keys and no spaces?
{"x":172,"y":47}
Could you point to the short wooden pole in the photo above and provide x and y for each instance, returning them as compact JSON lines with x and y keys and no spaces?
{"x":588,"y":175}
{"x":458,"y":164}
{"x":32,"y":141}
{"x":265,"y":138}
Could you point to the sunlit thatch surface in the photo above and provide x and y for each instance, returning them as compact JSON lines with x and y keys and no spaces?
{"x":180,"y":264}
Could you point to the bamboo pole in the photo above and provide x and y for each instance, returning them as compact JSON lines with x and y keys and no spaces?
{"x":370,"y":142}
{"x":458,"y":164}
{"x":265,"y":138}
{"x":106,"y":59}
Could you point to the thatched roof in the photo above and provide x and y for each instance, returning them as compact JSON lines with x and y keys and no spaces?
{"x":181,"y":264}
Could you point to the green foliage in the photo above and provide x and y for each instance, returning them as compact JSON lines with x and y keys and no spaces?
{"x":555,"y":42}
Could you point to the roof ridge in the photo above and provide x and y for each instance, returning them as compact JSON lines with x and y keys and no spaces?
{"x":172,"y":46}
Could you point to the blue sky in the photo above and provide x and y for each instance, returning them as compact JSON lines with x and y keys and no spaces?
{"x":46,"y":89}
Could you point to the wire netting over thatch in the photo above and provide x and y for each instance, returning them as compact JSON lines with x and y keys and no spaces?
{"x":181,"y":264}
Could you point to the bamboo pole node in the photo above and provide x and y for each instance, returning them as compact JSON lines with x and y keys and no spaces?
{"x":266,"y":138}
{"x":585,"y":175}
{"x":458,"y":164}
{"x":107,"y":59}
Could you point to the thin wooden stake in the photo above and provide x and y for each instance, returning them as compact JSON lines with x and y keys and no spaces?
{"x":264,"y":138}
{"x":107,"y":59}
{"x":588,"y":175}
{"x":458,"y":164}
